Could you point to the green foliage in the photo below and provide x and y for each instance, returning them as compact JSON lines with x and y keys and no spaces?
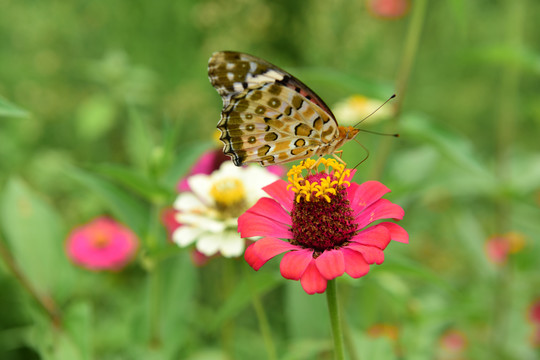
{"x":104,"y":106}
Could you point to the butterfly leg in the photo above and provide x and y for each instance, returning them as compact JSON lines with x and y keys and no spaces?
{"x":338,"y":158}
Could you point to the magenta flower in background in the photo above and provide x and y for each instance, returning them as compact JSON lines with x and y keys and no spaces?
{"x":388,"y":9}
{"x":500,"y":247}
{"x":102,"y":244}
{"x":324,"y":221}
{"x":452,"y":343}
{"x":533,"y":315}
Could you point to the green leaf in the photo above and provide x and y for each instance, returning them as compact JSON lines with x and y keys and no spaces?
{"x":9,"y":110}
{"x":60,"y":343}
{"x":453,"y":147}
{"x":135,"y":181}
{"x":35,"y":235}
{"x":123,"y":205}
{"x":95,"y":117}
{"x":139,"y":143}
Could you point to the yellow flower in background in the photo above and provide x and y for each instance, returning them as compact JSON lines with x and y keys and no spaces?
{"x":356,"y":107}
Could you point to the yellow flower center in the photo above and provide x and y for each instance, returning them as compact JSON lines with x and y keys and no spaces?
{"x":228,"y":192}
{"x":99,"y":239}
{"x":318,"y":186}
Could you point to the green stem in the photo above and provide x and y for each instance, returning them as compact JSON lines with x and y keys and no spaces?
{"x":507,"y":109}
{"x":264,"y":326}
{"x":409,"y":55}
{"x":155,"y":305}
{"x":47,"y":303}
{"x":227,"y":330}
{"x":335,"y":319}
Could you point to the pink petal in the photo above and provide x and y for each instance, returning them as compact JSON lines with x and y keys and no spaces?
{"x":276,"y":170}
{"x":252,"y":259}
{"x":271,"y":209}
{"x":258,"y":253}
{"x":397,"y":233}
{"x":361,"y":196}
{"x":371,"y":254}
{"x":278,"y":191}
{"x":294,"y":263}
{"x":355,"y":264}
{"x":377,"y":236}
{"x":312,"y":281}
{"x":330,"y":264}
{"x":252,"y":224}
{"x":381,"y":209}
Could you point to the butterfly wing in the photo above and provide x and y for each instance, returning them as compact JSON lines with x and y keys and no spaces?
{"x":268,"y":115}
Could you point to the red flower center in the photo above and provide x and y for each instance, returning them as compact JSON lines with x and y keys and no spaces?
{"x":320,"y":224}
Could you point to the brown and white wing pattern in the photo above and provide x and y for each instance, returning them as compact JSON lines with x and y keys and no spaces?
{"x":268,"y":116}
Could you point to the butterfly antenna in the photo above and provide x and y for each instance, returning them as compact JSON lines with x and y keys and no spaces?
{"x":374,"y":111}
{"x":367,"y":153}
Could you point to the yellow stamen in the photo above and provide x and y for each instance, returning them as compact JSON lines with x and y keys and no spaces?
{"x":313,"y":190}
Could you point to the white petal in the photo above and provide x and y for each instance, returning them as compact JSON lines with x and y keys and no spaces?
{"x":200,"y":184}
{"x":209,"y":244}
{"x":186,"y":235}
{"x":255,"y":178}
{"x":188,"y":202}
{"x":201,"y":222}
{"x":232,"y":245}
{"x":228,"y":169}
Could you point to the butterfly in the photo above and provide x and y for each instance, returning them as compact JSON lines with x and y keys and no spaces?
{"x":268,"y":115}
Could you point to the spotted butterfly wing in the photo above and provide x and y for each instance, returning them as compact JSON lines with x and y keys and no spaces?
{"x":268,"y":115}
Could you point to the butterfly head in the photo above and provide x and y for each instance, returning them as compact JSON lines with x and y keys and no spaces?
{"x":347,"y":132}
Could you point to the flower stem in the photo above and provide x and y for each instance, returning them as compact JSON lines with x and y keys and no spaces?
{"x":46,"y":302}
{"x":264,"y":326}
{"x":335,"y":319}
{"x":409,"y":54}
{"x":155,"y":285}
{"x":228,"y":328}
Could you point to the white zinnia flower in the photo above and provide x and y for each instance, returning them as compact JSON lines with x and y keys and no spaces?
{"x":209,"y":213}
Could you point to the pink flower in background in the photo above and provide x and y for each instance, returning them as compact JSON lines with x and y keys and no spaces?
{"x":388,"y":9}
{"x":534,"y":312}
{"x":326,"y":221}
{"x":453,"y":342}
{"x":500,"y":247}
{"x":102,"y":244}
{"x":168,"y":219}
{"x":533,"y":315}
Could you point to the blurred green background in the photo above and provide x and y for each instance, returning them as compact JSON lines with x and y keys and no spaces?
{"x":105,"y":105}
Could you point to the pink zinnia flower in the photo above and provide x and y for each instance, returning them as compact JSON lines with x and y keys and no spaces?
{"x":500,"y":247}
{"x":453,"y":341}
{"x":388,"y":9}
{"x":325,"y":219}
{"x":534,"y":312}
{"x":102,"y":244}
